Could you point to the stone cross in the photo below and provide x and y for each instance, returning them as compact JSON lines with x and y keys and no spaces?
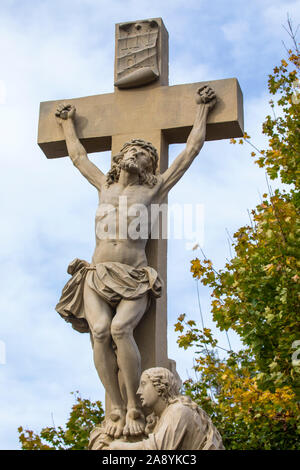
{"x":144,"y":106}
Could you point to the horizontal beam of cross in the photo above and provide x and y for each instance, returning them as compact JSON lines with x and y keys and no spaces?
{"x":169,"y":108}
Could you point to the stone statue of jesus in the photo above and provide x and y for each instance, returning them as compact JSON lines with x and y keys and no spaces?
{"x":109,"y":296}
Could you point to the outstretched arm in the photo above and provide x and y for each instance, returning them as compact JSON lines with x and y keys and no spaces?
{"x":65,"y":117}
{"x":206,"y":100}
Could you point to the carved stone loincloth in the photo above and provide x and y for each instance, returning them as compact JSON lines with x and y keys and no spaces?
{"x":112,"y":281}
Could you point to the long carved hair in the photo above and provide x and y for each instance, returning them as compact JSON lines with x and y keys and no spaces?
{"x":164,"y":381}
{"x":147,"y":177}
{"x":167,"y":387}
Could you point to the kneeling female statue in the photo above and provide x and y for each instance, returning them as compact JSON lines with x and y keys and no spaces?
{"x":175,"y":421}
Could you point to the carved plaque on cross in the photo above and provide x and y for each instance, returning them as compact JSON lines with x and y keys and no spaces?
{"x":137,"y":53}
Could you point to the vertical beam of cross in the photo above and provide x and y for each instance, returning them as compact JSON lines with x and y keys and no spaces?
{"x":151,"y":333}
{"x":150,"y":53}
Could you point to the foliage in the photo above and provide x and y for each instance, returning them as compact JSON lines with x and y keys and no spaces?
{"x":253,"y":395}
{"x":227,"y":389}
{"x":257,"y":293}
{"x":282,"y":158}
{"x":84,"y":416}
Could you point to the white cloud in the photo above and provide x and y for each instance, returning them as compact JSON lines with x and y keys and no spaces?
{"x":276,"y":13}
{"x":2,"y":92}
{"x":236,"y":31}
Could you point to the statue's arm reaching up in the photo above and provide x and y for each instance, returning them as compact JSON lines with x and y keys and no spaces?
{"x":65,"y":116}
{"x":206,"y":100}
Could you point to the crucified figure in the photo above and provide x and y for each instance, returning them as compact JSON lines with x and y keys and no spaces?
{"x":109,"y":296}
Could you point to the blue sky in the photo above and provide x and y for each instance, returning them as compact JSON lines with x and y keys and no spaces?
{"x":65,"y":49}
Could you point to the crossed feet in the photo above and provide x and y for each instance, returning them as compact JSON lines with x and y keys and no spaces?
{"x":119,"y":423}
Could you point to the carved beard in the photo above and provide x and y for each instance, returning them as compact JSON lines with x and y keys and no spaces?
{"x":130,"y":165}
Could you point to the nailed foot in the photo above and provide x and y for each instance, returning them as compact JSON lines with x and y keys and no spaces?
{"x":115,"y":423}
{"x":135,"y":422}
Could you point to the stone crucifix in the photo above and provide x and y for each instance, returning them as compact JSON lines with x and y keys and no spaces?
{"x":120,"y":297}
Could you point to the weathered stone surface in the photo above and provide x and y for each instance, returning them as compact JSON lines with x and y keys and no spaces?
{"x":170,"y":110}
{"x":139,"y":48}
{"x":109,"y":296}
{"x":175,"y":422}
{"x":119,"y":296}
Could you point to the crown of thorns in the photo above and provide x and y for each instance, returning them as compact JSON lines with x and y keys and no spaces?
{"x":145,"y":145}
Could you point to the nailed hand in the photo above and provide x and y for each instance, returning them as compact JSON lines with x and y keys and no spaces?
{"x":206,"y":95}
{"x":65,"y":111}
